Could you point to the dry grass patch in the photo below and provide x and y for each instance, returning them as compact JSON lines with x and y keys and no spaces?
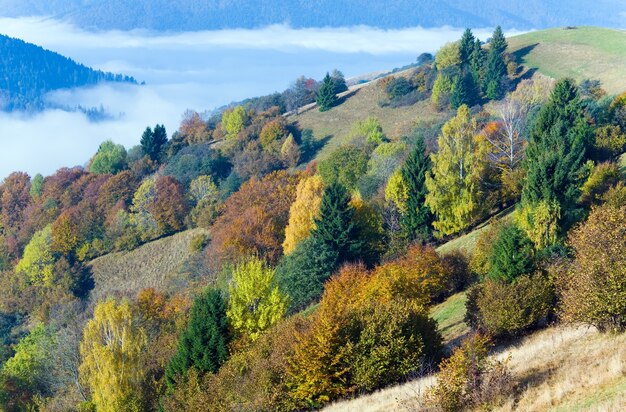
{"x":561,"y":369}
{"x":388,"y":399}
{"x":162,"y":264}
{"x":568,"y":368}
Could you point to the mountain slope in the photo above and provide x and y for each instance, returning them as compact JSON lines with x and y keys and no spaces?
{"x":581,"y":53}
{"x":28,"y":72}
{"x":216,"y":14}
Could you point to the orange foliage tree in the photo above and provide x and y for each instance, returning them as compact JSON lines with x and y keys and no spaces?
{"x":170,"y":205}
{"x":593,"y":288}
{"x":356,"y":341}
{"x":254,"y":219}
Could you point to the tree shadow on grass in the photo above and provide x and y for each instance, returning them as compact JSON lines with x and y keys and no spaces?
{"x":524,"y":51}
{"x":312,"y":148}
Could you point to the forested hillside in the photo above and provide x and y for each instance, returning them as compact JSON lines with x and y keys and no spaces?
{"x":244,"y":263}
{"x":202,"y":15}
{"x":28,"y":72}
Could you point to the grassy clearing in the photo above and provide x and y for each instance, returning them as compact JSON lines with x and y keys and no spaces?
{"x":450,"y":316}
{"x":585,"y":52}
{"x":360,"y":103}
{"x":163,"y":264}
{"x":466,"y":243}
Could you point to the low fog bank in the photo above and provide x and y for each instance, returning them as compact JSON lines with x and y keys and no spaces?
{"x":192,"y":70}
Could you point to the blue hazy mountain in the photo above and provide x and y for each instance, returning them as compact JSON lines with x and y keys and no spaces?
{"x":28,"y":72}
{"x":183,"y":15}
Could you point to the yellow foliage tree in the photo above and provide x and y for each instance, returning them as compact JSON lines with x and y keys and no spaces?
{"x":541,"y":223}
{"x":447,"y":56}
{"x":303,"y":212}
{"x":255,"y":303}
{"x":38,"y":261}
{"x":111,"y":352}
{"x":233,"y":121}
{"x":397,"y":191}
{"x":454,"y":185}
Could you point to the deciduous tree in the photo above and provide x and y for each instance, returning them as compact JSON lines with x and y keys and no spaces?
{"x":234,"y":121}
{"x":303,"y":212}
{"x":110,"y":159}
{"x":254,"y":303}
{"x":454,"y":185}
{"x":37,"y":263}
{"x":111,"y":352}
{"x":254,"y":220}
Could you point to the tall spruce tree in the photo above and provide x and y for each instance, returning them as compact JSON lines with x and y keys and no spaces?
{"x":204,"y":344}
{"x":153,"y":142}
{"x":466,"y":47}
{"x":478,"y":60}
{"x":326,"y":97}
{"x":302,"y":273}
{"x":463,"y":91}
{"x":335,"y":226}
{"x":339,"y":81}
{"x":417,"y":219}
{"x":498,"y":42}
{"x":496,"y":68}
{"x":335,"y":240}
{"x":557,"y":152}
{"x":512,"y":254}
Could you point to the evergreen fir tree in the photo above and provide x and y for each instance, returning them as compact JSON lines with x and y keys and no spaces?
{"x":466,"y":47}
{"x":498,"y":42}
{"x":557,"y":152}
{"x":335,"y":226}
{"x":153,"y":142}
{"x":204,"y":344}
{"x":326,"y":97}
{"x":477,"y":64}
{"x":511,"y":255}
{"x":493,"y":78}
{"x":160,"y":139}
{"x":496,"y":68}
{"x":339,"y":81}
{"x":417,"y":220}
{"x":302,"y":273}
{"x":461,"y":93}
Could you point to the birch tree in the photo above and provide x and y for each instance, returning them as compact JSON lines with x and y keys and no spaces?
{"x":454,"y":184}
{"x":111,"y":352}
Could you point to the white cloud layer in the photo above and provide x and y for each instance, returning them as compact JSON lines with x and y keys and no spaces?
{"x":197,"y":70}
{"x":359,"y":39}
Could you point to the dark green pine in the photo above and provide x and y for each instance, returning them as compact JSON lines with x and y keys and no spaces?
{"x":204,"y":343}
{"x":417,"y":220}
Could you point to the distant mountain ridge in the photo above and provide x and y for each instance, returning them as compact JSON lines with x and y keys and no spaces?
{"x":185,"y":15}
{"x":28,"y":72}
